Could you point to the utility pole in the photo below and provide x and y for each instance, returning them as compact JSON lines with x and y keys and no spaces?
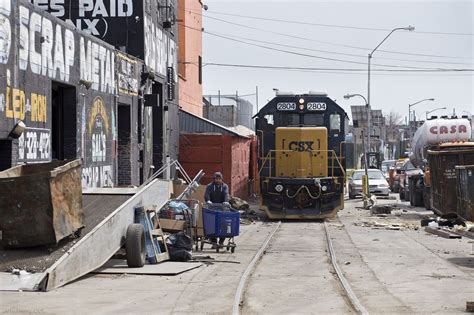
{"x":256,"y":97}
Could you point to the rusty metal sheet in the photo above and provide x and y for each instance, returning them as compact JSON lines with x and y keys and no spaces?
{"x":465,"y":192}
{"x":40,"y":204}
{"x":443,"y":164}
{"x":40,"y":258}
{"x":214,"y":152}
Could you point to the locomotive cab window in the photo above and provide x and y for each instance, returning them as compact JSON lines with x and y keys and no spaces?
{"x":314,"y":119}
{"x":335,"y":122}
{"x":268,"y":120}
{"x":289,"y":119}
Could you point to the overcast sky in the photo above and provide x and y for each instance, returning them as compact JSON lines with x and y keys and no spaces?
{"x":425,"y":49}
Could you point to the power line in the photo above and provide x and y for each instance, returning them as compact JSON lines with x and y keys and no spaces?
{"x":315,"y":56}
{"x":326,"y":42}
{"x":334,"y":69}
{"x":308,"y":55}
{"x":411,"y":74}
{"x":339,"y":53}
{"x":329,"y":25}
{"x":358,"y":71}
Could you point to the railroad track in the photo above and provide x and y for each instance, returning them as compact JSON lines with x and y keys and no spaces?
{"x":346,"y":293}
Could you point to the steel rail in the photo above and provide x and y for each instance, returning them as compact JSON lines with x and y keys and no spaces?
{"x":243,"y":280}
{"x":345,"y":284}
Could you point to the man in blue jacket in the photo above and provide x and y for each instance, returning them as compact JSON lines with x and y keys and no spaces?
{"x":217,"y":192}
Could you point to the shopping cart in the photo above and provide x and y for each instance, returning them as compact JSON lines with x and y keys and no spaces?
{"x":220,"y":221}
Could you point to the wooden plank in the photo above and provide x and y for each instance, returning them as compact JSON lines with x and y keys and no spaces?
{"x":464,"y":233}
{"x":442,"y":233}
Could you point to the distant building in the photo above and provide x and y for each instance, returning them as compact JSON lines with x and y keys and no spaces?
{"x":229,"y":110}
{"x":377,"y":136}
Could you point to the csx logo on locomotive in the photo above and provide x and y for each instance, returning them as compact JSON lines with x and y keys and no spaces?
{"x":301,"y":146}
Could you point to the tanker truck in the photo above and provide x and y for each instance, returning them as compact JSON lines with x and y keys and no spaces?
{"x":437,"y":147}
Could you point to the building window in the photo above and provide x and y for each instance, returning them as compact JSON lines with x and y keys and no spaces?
{"x":200,"y":69}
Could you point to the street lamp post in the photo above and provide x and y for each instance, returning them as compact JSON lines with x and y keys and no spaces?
{"x":433,"y":110}
{"x":409,"y":115}
{"x":409,"y":28}
{"x":367,"y":146}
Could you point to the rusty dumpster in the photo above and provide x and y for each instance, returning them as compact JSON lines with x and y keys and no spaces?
{"x":40,"y":204}
{"x":442,"y":162}
{"x":465,"y":191}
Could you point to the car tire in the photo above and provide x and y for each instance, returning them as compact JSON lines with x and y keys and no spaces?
{"x":135,"y":245}
{"x":418,"y":199}
{"x":426,"y":199}
{"x":407,"y":195}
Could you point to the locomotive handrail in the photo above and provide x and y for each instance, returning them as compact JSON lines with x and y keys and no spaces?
{"x":263,"y":144}
{"x":333,"y":157}
{"x":340,"y":149}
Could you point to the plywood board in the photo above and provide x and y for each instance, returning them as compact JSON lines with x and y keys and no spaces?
{"x":167,"y":268}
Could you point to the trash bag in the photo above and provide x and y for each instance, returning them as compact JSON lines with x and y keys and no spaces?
{"x":179,"y":246}
{"x":239,"y":204}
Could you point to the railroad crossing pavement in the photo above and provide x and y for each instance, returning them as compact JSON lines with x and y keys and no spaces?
{"x":390,"y":270}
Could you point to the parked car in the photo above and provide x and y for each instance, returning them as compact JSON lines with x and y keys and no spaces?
{"x":378,"y":185}
{"x":394,"y":175}
{"x":407,"y":170}
{"x":386,"y":165}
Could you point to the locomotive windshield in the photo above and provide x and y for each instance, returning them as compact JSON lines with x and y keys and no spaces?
{"x":296,"y":119}
{"x":289,"y":119}
{"x":314,"y":120}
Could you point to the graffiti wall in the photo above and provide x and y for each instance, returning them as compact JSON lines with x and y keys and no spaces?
{"x":64,"y":83}
{"x":48,"y":69}
{"x":98,"y":136}
{"x":117,"y":22}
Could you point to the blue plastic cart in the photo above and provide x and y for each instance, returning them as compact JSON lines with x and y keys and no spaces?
{"x":220,"y":221}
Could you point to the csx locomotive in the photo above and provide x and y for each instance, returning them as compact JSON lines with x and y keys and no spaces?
{"x":300,"y":158}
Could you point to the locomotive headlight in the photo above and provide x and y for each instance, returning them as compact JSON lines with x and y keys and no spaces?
{"x":324,"y":188}
{"x":279,"y":188}
{"x":301,"y":101}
